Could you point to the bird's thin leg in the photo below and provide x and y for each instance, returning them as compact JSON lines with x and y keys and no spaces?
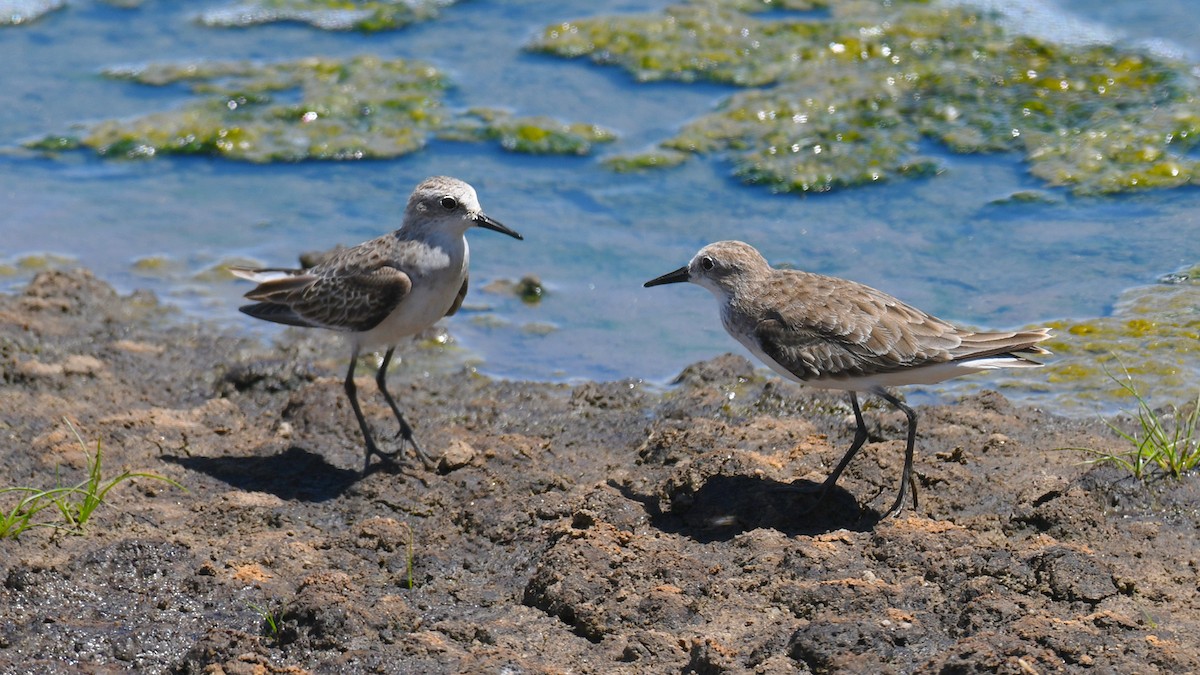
{"x":860,"y":437}
{"x":352,"y":394}
{"x":906,"y":478}
{"x":405,"y":430}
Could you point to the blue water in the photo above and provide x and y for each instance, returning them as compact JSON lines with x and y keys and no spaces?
{"x":591,"y":235}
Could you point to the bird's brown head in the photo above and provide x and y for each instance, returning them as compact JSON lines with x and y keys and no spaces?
{"x":721,"y":267}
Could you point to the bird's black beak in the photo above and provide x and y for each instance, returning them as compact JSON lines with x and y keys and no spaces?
{"x":482,"y":220}
{"x":678,"y":276}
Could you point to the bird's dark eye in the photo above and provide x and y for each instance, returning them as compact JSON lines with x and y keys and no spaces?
{"x":707,"y":263}
{"x":449,"y":203}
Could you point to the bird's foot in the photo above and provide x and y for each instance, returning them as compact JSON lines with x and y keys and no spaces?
{"x":372,"y":449}
{"x":406,"y":436}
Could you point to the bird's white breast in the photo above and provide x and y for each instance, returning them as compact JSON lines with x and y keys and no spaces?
{"x":437,"y":275}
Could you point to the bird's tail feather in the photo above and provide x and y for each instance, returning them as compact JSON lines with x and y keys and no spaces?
{"x":1003,"y":349}
{"x":263,"y":275}
{"x":277,"y":313}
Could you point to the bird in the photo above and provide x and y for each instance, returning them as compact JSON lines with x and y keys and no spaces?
{"x":839,"y":334}
{"x":382,"y":290}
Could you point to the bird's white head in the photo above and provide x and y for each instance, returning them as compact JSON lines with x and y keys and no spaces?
{"x":721,"y":267}
{"x":442,"y":204}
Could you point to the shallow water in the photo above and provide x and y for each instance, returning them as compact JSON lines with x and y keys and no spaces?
{"x":592,"y":236}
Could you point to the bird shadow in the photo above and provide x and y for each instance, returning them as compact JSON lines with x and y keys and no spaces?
{"x":725,"y":506}
{"x":294,"y":474}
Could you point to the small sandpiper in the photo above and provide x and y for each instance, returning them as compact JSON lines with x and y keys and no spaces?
{"x":384,"y":289}
{"x":838,"y":334}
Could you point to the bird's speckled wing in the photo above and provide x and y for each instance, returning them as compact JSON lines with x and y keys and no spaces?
{"x":352,"y":290}
{"x":831,"y":328}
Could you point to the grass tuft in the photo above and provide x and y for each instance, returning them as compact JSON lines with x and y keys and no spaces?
{"x":271,"y":621}
{"x":409,"y":556}
{"x":76,"y":504}
{"x":1165,"y":442}
{"x":19,"y":518}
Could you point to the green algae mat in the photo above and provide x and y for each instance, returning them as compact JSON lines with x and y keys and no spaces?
{"x":1151,"y":339}
{"x":330,"y":109}
{"x":843,"y":94}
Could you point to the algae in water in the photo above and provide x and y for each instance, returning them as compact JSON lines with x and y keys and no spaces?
{"x":1153,"y":335}
{"x":844,"y":97}
{"x":530,"y":135}
{"x":331,"y":109}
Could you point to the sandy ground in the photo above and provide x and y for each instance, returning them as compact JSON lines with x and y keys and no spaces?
{"x":605,"y":527}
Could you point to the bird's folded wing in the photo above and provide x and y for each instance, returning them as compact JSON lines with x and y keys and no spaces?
{"x":354,"y":300}
{"x":860,"y":333}
{"x":458,"y":299}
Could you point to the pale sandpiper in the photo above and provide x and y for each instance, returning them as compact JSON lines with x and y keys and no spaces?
{"x":838,"y":334}
{"x":384,"y":289}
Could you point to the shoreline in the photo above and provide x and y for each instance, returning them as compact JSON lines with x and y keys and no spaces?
{"x":441,"y":350}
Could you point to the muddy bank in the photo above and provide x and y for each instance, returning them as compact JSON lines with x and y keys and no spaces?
{"x":605,"y":527}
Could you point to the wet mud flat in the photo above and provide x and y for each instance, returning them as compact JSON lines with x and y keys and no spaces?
{"x":591,"y":528}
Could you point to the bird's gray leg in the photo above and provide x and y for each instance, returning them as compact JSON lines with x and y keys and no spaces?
{"x":352,"y":394}
{"x":405,"y":430}
{"x":906,"y":478}
{"x":860,"y":437}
